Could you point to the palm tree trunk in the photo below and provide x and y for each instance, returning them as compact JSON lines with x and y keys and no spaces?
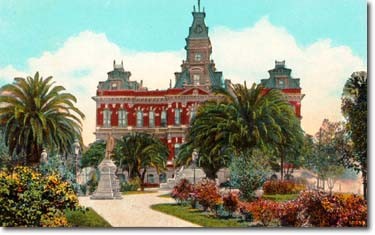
{"x":143,"y":179}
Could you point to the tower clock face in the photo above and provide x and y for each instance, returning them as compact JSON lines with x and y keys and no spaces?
{"x":198,"y":29}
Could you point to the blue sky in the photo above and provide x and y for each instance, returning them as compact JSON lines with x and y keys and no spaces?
{"x":323,"y":42}
{"x":28,"y":28}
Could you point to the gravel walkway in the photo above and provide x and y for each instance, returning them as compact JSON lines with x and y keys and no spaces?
{"x":135,"y":211}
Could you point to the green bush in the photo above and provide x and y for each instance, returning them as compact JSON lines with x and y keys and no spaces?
{"x":248,"y":173}
{"x":131,"y":185}
{"x":29,"y":199}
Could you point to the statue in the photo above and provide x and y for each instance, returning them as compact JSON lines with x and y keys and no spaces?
{"x":110,"y":146}
{"x":44,"y":157}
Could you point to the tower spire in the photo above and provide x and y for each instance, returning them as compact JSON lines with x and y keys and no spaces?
{"x":199,"y":5}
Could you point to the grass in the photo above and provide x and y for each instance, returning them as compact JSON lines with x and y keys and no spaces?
{"x":280,"y":197}
{"x":197,"y":216}
{"x":138,"y":192}
{"x":88,"y":218}
{"x":167,"y":195}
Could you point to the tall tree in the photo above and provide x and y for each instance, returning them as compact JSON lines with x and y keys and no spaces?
{"x":138,"y":151}
{"x":354,"y":109}
{"x":36,"y":115}
{"x":245,"y":119}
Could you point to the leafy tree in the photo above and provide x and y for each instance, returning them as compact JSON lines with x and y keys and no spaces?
{"x":94,"y":154}
{"x":138,"y":151}
{"x":325,"y":159}
{"x":354,"y":109}
{"x":36,"y":115}
{"x":249,"y":172}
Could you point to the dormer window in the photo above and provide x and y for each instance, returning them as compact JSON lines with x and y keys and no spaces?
{"x":114,"y":86}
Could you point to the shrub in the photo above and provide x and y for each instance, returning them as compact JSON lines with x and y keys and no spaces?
{"x":272,"y":187}
{"x":264,"y":211}
{"x":231,"y":202}
{"x":29,"y":199}
{"x":249,"y":172}
{"x":207,"y":195}
{"x":181,"y":192}
{"x":131,"y":185}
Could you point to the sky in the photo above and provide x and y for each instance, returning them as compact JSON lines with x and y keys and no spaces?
{"x":323,"y":42}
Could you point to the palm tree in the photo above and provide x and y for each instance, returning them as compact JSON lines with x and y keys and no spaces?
{"x":136,"y":152}
{"x":36,"y":115}
{"x":244,"y":119}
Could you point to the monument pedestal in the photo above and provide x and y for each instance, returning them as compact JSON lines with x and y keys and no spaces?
{"x":109,"y":185}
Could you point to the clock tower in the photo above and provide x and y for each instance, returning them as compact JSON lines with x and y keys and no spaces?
{"x":198,"y":70}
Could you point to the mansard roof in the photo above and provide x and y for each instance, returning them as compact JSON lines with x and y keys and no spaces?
{"x":280,"y":72}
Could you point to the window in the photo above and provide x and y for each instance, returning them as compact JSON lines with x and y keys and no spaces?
{"x":139,"y":119}
{"x":114,"y":86}
{"x":177,"y":117}
{"x":164,"y":118}
{"x":280,"y":83}
{"x":151,"y":120}
{"x":196,"y":79}
{"x":176,"y":150}
{"x":107,"y":118}
{"x":122,"y":118}
{"x":198,"y":57}
{"x":192,"y":115}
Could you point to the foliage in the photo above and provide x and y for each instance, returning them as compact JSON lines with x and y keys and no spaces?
{"x":131,"y":185}
{"x":207,"y":195}
{"x":94,"y":154}
{"x":231,"y":202}
{"x":36,"y":115}
{"x":5,"y":159}
{"x":30,"y":199}
{"x":136,"y":152}
{"x":182,"y":191}
{"x":325,"y":210}
{"x":197,"y":217}
{"x":354,"y":109}
{"x":87,"y":219}
{"x":249,"y":172}
{"x":273,"y":187}
{"x":242,"y":120}
{"x":262,"y":210}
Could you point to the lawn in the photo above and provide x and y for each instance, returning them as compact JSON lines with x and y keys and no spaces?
{"x":88,"y":218}
{"x":138,"y":192}
{"x":167,"y":195}
{"x":280,"y":197}
{"x":197,"y":216}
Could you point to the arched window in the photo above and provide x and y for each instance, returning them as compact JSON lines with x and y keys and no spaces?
{"x":177,"y":116}
{"x":151,"y":120}
{"x":164,"y":118}
{"x":139,"y":119}
{"x":122,"y":118}
{"x":107,"y":118}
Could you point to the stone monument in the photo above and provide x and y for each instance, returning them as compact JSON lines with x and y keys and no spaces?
{"x":109,"y":185}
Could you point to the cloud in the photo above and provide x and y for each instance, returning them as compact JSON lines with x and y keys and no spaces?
{"x":84,"y":60}
{"x":323,"y":68}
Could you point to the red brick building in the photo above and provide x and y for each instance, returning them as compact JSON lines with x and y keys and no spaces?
{"x":124,"y":106}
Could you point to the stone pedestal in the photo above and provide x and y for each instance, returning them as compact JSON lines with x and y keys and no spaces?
{"x":109,"y":185}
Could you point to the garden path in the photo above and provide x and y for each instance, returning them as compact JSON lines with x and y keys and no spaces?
{"x":135,"y":211}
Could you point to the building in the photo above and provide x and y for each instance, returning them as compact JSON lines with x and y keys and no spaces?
{"x":124,"y":106}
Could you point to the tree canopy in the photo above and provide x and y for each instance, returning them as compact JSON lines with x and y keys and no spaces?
{"x":36,"y":114}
